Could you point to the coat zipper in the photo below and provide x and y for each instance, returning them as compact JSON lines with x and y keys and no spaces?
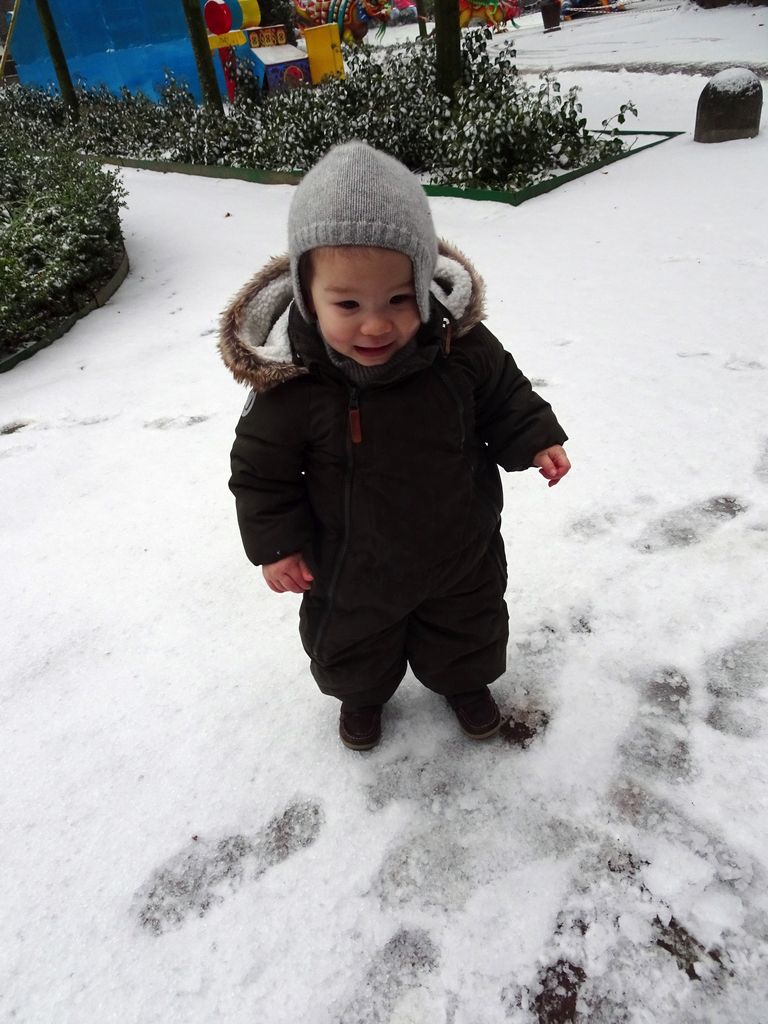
{"x":445,"y":377}
{"x":355,"y":427}
{"x":354,"y":436}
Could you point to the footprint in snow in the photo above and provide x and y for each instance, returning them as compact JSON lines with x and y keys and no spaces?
{"x":689,"y":525}
{"x":398,"y":967}
{"x":734,"y":678}
{"x":17,"y":449}
{"x":731,"y":869}
{"x":424,"y":781}
{"x":535,"y":661}
{"x":14,"y":426}
{"x":197,"y":878}
{"x":587,"y":527}
{"x":761,"y":469}
{"x":67,"y":421}
{"x":657,"y":744}
{"x":611,"y":936}
{"x":613,"y":932}
{"x":449,"y":859}
{"x":175,"y":422}
{"x":90,"y":421}
{"x":428,"y":870}
{"x":743,"y":364}
{"x":605,"y":520}
{"x":531,"y":671}
{"x":523,"y":726}
{"x":538,"y":656}
{"x":553,"y":997}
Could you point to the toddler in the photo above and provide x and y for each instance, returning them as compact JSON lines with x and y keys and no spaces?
{"x":365,"y":465}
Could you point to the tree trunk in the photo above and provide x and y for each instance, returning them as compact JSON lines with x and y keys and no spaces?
{"x":53,"y":42}
{"x":203,"y":59}
{"x":448,"y":42}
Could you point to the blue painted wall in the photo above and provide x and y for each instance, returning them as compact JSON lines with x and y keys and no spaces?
{"x":111,"y":42}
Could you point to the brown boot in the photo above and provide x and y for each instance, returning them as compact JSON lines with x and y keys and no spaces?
{"x":477,"y":712}
{"x":360,"y":728}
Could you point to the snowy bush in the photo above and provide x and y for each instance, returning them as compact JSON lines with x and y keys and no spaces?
{"x":506,"y":134}
{"x":59,"y":236}
{"x":499,"y":132}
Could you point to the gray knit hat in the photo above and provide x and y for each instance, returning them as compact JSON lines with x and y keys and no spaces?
{"x":356,"y":195}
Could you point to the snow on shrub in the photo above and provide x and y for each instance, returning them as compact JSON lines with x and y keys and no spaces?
{"x":499,"y":132}
{"x":59,"y":235}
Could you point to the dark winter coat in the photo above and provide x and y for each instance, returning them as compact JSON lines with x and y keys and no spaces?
{"x":380,"y":487}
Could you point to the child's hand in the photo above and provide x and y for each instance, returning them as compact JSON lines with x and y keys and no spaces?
{"x":552,"y":463}
{"x":289,"y":575}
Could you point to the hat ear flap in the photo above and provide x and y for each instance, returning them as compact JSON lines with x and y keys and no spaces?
{"x":305,"y":282}
{"x":300,"y":292}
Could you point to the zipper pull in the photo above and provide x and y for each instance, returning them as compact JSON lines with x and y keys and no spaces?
{"x":355,"y":428}
{"x":447,"y":335}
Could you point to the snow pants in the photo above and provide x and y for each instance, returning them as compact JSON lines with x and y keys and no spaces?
{"x":453,"y":632}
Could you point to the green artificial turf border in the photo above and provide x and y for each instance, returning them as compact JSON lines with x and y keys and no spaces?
{"x":481,"y":195}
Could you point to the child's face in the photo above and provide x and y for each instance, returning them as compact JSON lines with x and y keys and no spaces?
{"x":364,"y":301}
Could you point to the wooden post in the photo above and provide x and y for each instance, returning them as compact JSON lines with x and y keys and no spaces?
{"x":448,"y":43}
{"x":6,"y":51}
{"x":205,"y":71}
{"x":56,"y":51}
{"x":550,"y":15}
{"x":421,"y":11}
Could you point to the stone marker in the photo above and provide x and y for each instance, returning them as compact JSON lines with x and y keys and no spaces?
{"x":729,"y":107}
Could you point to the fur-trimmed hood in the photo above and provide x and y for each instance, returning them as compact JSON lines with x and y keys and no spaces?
{"x":253,"y":333}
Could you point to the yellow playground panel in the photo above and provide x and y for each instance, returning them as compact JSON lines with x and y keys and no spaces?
{"x":251,"y":12}
{"x":324,"y":52}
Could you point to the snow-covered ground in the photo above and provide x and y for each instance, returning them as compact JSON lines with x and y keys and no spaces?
{"x":690,"y":34}
{"x":184,"y":840}
{"x":661,"y":34}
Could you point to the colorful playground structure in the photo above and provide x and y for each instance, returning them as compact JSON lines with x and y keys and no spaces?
{"x":493,"y":13}
{"x":235,"y":33}
{"x":353,"y":17}
{"x":134,"y":44}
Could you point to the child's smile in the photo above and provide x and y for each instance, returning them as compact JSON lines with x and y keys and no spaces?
{"x":364,"y":301}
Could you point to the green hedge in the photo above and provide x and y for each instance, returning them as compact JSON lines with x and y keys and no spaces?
{"x":59,"y":215}
{"x":59,"y":235}
{"x":500,"y":133}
